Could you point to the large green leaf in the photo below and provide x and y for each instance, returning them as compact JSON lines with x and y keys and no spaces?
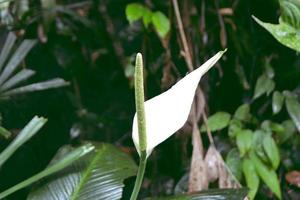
{"x":293,"y":108}
{"x":251,"y":177}
{"x":283,"y":33}
{"x":213,"y":194}
{"x":267,"y":174}
{"x":99,"y":175}
{"x":69,"y":158}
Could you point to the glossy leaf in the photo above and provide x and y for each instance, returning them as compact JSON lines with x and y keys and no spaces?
{"x":272,"y":151}
{"x":293,"y":108}
{"x":98,"y":175}
{"x":267,"y":174}
{"x":161,"y":23}
{"x":251,"y":177}
{"x":217,"y":121}
{"x":264,"y":85}
{"x":283,"y":33}
{"x":168,"y":112}
{"x":244,"y":141}
{"x":277,"y":102}
{"x":65,"y":161}
{"x":213,"y":194}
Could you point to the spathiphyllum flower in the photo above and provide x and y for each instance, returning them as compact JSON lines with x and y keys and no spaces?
{"x":167,"y":113}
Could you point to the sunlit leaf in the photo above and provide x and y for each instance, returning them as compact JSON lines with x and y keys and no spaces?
{"x":167,"y":112}
{"x":267,"y":174}
{"x":272,"y":151}
{"x":251,"y":177}
{"x":217,"y":121}
{"x":283,"y":33}
{"x":98,"y":175}
{"x":244,"y":141}
{"x":161,"y":23}
{"x":134,"y":11}
{"x":277,"y":102}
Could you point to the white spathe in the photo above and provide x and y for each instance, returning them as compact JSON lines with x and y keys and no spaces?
{"x":167,"y":113}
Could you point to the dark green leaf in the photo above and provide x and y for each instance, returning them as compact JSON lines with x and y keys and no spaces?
{"x":264,"y":85}
{"x":272,"y":151}
{"x":251,"y":177}
{"x":289,"y":130}
{"x":217,"y":121}
{"x":134,"y":11}
{"x":244,"y":141}
{"x":293,"y":108}
{"x":277,"y":102}
{"x":161,"y":23}
{"x":213,"y":194}
{"x":98,"y":175}
{"x":233,"y":161}
{"x":267,"y":175}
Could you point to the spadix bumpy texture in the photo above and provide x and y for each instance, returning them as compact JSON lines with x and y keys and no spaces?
{"x":167,"y":113}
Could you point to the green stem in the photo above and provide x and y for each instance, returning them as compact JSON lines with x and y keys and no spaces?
{"x":139,"y":176}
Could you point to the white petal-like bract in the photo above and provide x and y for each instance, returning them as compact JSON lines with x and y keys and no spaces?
{"x":167,"y":113}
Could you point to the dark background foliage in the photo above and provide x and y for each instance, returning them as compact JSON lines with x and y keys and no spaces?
{"x":94,"y":46}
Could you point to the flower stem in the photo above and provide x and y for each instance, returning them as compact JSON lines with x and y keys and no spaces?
{"x":140,"y":176}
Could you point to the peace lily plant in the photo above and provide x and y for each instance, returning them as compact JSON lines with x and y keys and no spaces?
{"x":160,"y":117}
